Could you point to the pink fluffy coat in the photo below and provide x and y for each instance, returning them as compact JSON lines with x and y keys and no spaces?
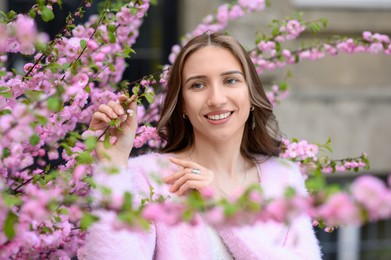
{"x":268,"y":240}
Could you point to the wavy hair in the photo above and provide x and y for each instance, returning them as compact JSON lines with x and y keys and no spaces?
{"x":178,"y":132}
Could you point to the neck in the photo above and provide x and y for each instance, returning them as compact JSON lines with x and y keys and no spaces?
{"x":222,"y":156}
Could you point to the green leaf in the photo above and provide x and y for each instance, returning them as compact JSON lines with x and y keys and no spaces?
{"x":324,"y":22}
{"x":40,"y":3}
{"x":290,"y":192}
{"x":54,"y":103}
{"x":111,"y":28}
{"x":83,"y":43}
{"x":229,"y":209}
{"x":74,"y":67}
{"x":275,"y":31}
{"x":5,"y":112}
{"x":9,"y":225}
{"x":6,"y":152}
{"x":267,"y":2}
{"x":11,"y":15}
{"x":90,"y":142}
{"x":5,"y":92}
{"x":112,"y":37}
{"x":34,"y":139}
{"x":283,"y":86}
{"x":33,"y":95}
{"x":136,"y":89}
{"x":87,"y":220}
{"x":106,"y":141}
{"x":84,"y":158}
{"x":87,"y":89}
{"x":149,"y":98}
{"x":11,"y":201}
{"x":128,"y":201}
{"x":41,"y":119}
{"x":32,"y":13}
{"x":111,"y":67}
{"x":314,"y":184}
{"x":47,"y":14}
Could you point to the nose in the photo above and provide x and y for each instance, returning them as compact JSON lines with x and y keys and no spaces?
{"x":217,"y":96}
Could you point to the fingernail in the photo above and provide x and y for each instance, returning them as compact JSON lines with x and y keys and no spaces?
{"x":120,"y":111}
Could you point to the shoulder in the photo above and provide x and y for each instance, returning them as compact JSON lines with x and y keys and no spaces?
{"x":277,"y":174}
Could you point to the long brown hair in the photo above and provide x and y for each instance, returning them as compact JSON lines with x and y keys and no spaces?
{"x":178,"y":132}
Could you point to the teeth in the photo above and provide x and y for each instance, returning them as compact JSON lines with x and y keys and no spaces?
{"x":219,"y":117}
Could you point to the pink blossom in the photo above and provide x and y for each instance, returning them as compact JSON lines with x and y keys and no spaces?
{"x":367,"y":36}
{"x":340,"y":209}
{"x":327,"y":169}
{"x":252,"y":4}
{"x":53,"y":155}
{"x":376,"y":48}
{"x":294,"y":28}
{"x":81,"y":80}
{"x":72,"y":47}
{"x":215,"y":216}
{"x":381,"y":38}
{"x":235,"y":12}
{"x":266,"y":46}
{"x":79,"y":31}
{"x":372,"y":193}
{"x":25,"y":32}
{"x":340,"y":168}
{"x":79,"y":172}
{"x":223,"y":14}
{"x":207,"y":192}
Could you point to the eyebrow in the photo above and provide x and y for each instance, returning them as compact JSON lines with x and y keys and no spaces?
{"x":222,"y":74}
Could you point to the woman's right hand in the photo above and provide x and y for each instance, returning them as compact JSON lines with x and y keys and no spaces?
{"x":118,"y":153}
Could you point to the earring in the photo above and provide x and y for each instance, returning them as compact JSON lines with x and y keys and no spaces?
{"x":252,"y":118}
{"x":184,"y":116}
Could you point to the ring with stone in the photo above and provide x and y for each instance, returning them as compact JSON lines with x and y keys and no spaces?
{"x":196,"y":171}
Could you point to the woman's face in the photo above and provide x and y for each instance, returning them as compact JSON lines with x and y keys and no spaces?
{"x":215,"y":94}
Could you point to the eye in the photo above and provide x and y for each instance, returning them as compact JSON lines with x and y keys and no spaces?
{"x":197,"y":85}
{"x":231,"y":81}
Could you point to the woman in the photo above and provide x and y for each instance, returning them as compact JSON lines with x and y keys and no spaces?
{"x":220,"y":132}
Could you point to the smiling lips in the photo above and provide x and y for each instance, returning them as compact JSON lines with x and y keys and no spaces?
{"x":218,"y":117}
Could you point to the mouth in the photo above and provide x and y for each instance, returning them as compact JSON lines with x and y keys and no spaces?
{"x":217,"y":117}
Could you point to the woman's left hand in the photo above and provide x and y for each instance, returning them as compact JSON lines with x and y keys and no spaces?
{"x":191,"y":176}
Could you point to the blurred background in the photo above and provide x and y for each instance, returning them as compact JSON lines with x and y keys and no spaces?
{"x":346,"y":98}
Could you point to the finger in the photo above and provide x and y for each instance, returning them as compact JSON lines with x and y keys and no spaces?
{"x":116,"y":107}
{"x":183,"y":180}
{"x":193,"y":184}
{"x":131,"y":120}
{"x":183,"y":163}
{"x":175,"y":176}
{"x":103,"y":108}
{"x":99,"y":116}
